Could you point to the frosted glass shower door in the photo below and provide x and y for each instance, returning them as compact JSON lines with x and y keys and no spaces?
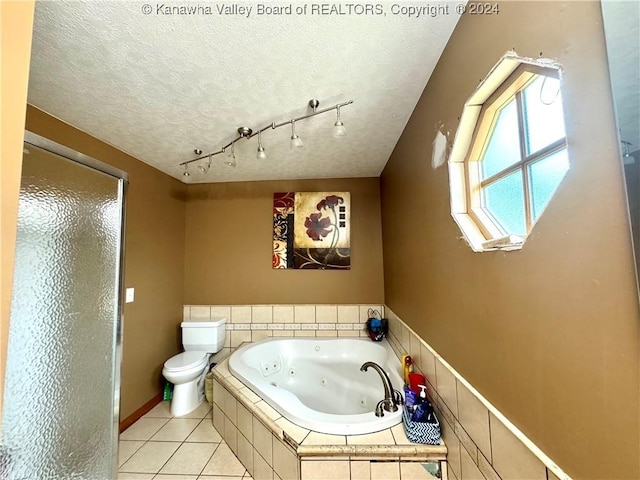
{"x":61,"y":395}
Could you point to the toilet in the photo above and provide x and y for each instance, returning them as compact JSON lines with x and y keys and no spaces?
{"x":200,"y":339}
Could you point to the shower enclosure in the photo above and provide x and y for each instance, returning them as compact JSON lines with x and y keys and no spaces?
{"x":61,"y":398}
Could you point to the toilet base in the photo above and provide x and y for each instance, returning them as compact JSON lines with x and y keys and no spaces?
{"x":187,"y":397}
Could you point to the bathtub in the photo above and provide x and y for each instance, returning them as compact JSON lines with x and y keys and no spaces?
{"x":317,"y":383}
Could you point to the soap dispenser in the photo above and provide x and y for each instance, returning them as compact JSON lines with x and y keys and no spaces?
{"x":423,"y":408}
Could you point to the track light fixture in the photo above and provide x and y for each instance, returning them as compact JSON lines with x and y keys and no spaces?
{"x":627,"y":158}
{"x":339,"y":130}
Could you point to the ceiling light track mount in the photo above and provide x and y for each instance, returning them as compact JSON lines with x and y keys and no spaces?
{"x":247,"y":133}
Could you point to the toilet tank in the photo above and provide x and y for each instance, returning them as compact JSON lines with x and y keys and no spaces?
{"x":203,"y":334}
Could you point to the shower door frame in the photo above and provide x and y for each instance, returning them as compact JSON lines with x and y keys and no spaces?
{"x":77,"y":157}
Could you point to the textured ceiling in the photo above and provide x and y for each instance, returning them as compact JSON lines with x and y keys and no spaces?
{"x":622,"y":30}
{"x":157,"y":86}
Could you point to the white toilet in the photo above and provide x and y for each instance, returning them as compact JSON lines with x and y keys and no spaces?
{"x":186,"y":370}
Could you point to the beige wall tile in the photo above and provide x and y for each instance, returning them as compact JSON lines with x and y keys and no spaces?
{"x":486,"y":469}
{"x":281,"y":333}
{"x":326,"y":313}
{"x":186,"y":312}
{"x":245,"y":453}
{"x":262,"y":441}
{"x":218,"y":419}
{"x":364,"y":312}
{"x":239,"y":336}
{"x":348,"y":314}
{"x":230,"y":406}
{"x":231,"y":435}
{"x":414,"y":471}
{"x":326,"y":333}
{"x":323,"y":470}
{"x":348,"y":333}
{"x":285,"y":462}
{"x":261,"y":469}
{"x":283,"y":314}
{"x":304,"y":314}
{"x":294,"y":431}
{"x":453,"y":446}
{"x":221,"y":311}
{"x":304,"y":333}
{"x":360,"y":470}
{"x":466,"y":442}
{"x":315,"y":438}
{"x":428,"y":364}
{"x":551,"y":475}
{"x":245,"y":422}
{"x":415,"y":349}
{"x":240,"y":314}
{"x":450,"y":474}
{"x":446,"y":386}
{"x":257,"y":335}
{"x":385,"y":471}
{"x":262,"y":314}
{"x":384,"y":437}
{"x":200,"y":311}
{"x":474,"y":417}
{"x":511,"y":458}
{"x":405,"y":339}
{"x":469,"y":469}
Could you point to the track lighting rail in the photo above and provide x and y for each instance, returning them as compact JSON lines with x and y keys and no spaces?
{"x":245,"y":132}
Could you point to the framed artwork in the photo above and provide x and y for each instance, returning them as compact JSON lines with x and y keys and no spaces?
{"x":311,"y":230}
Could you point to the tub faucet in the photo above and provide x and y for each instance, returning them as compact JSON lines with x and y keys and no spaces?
{"x":392,"y":397}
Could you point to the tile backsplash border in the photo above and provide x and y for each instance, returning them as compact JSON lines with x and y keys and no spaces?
{"x":481,"y":441}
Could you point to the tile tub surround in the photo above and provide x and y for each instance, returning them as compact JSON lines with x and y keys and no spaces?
{"x":271,"y":447}
{"x":250,"y":323}
{"x":482,"y":442}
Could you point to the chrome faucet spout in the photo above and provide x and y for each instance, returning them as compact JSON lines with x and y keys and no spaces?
{"x":390,"y":401}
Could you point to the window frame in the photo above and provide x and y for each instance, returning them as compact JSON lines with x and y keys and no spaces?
{"x":506,"y":81}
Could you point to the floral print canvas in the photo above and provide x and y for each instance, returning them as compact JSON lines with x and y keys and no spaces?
{"x":311,"y":230}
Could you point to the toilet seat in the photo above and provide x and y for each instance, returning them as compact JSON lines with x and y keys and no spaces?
{"x":186,"y":361}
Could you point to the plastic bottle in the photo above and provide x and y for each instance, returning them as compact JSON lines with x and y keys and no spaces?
{"x":422,"y":410}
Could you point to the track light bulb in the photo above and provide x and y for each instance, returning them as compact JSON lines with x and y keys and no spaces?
{"x":296,"y":141}
{"x":231,"y":158}
{"x":186,"y":171}
{"x":262,"y":154}
{"x":339,"y":130}
{"x":205,"y":168}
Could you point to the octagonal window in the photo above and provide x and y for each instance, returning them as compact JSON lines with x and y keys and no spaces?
{"x":509,"y":155}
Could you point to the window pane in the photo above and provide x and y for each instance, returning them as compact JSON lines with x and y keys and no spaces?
{"x":544,"y":120}
{"x":504,"y":145}
{"x":544,"y":177}
{"x":504,"y":199}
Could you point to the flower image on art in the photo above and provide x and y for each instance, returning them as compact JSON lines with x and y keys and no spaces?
{"x":311,"y":230}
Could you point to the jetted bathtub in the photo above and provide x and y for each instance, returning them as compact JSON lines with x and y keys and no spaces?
{"x":317,"y":383}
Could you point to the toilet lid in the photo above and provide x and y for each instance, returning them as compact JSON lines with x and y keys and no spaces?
{"x":186,"y":360}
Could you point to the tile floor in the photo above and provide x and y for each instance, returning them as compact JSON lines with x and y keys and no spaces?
{"x":161,"y":447}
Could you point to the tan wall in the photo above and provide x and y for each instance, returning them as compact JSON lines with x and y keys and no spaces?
{"x":229,"y":245}
{"x":16,"y":24}
{"x":154,"y":260}
{"x":549,"y":334}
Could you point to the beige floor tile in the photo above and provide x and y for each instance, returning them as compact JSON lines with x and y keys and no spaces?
{"x":176,"y":430}
{"x":162,"y":410}
{"x":383,"y":437}
{"x":175,"y":477}
{"x":135,"y":476}
{"x":221,"y":477}
{"x":127,"y":448}
{"x":190,"y":458}
{"x":315,"y":438}
{"x":205,"y":432}
{"x":224,"y":462}
{"x":150,"y":458}
{"x":201,"y":411}
{"x":143,"y":429}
